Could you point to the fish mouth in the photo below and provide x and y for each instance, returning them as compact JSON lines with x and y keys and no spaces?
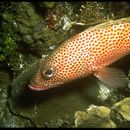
{"x":37,"y":88}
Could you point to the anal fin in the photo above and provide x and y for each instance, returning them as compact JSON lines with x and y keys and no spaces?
{"x":111,"y":77}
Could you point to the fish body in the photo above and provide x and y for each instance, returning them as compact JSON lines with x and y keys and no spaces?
{"x":89,"y":52}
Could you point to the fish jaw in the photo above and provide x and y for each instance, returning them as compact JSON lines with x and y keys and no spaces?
{"x":37,"y":88}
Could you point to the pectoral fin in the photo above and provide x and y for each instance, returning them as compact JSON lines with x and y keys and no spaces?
{"x":111,"y":77}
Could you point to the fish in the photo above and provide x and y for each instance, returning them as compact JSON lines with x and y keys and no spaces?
{"x":88,"y":52}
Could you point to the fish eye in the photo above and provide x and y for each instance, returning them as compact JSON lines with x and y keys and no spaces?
{"x":48,"y":74}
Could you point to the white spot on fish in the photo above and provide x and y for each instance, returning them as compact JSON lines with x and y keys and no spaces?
{"x":121,"y":26}
{"x":114,"y":27}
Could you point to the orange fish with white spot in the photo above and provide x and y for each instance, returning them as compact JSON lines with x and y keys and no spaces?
{"x":89,"y":52}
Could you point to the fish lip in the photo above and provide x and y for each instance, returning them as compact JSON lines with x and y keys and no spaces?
{"x":36,"y":88}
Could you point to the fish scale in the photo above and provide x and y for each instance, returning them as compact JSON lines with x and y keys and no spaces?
{"x":86,"y":53}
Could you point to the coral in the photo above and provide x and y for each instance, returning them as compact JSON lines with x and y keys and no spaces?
{"x":116,"y":116}
{"x":91,"y":12}
{"x":123,"y":108}
{"x":95,"y":117}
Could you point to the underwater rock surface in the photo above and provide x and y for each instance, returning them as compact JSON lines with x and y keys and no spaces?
{"x":7,"y":118}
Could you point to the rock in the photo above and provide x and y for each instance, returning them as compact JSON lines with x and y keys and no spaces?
{"x":7,"y":118}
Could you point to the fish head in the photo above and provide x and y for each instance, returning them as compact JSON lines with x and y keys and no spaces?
{"x":52,"y":72}
{"x":66,"y":63}
{"x":45,"y":78}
